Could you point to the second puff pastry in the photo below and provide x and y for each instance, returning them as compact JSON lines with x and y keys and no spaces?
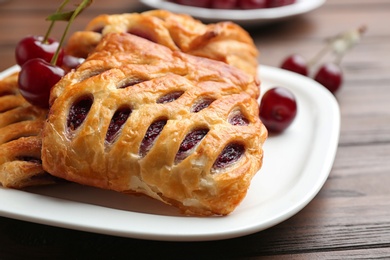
{"x":223,"y":41}
{"x":20,"y":140}
{"x":139,"y":117}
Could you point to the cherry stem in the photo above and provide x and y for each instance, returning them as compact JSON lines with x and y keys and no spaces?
{"x":339,"y":44}
{"x":80,"y":8}
{"x":53,"y":22}
{"x":319,"y":55}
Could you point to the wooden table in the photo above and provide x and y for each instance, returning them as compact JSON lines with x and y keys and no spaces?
{"x":349,"y":218}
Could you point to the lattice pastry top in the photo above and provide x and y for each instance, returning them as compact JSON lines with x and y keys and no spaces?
{"x":138,"y":117}
{"x":223,"y":41}
{"x":20,"y":142}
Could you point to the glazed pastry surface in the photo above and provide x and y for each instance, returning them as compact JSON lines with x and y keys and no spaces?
{"x":139,"y":117}
{"x":223,"y":41}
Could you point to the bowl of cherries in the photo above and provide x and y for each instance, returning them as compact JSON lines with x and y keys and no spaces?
{"x":235,"y":4}
{"x":243,"y":12}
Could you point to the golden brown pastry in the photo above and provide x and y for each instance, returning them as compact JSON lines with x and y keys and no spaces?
{"x":223,"y":41}
{"x":20,"y":141}
{"x":139,"y":117}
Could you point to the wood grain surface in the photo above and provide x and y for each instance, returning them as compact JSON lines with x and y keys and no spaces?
{"x":348,"y":219}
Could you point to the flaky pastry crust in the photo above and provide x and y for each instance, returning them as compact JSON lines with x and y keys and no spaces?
{"x":128,"y":73}
{"x":223,"y":41}
{"x":20,"y":141}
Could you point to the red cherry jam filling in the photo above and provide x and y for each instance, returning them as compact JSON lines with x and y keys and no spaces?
{"x":141,"y":33}
{"x":98,"y":30}
{"x":117,"y":122}
{"x":131,"y":82}
{"x":238,"y":119}
{"x":169,"y":97}
{"x":29,"y":159}
{"x":230,"y":154}
{"x":151,"y":135}
{"x":189,"y":142}
{"x":78,"y":112}
{"x":6,"y":93}
{"x":200,"y":105}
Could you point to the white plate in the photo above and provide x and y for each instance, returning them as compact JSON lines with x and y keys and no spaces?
{"x":242,"y":17}
{"x":296,"y":165}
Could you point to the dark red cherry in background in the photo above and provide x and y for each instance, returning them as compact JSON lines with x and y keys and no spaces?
{"x":36,"y":78}
{"x":330,"y":76}
{"x":224,"y":4}
{"x":278,"y":108}
{"x":31,"y":47}
{"x":252,"y":4}
{"x":295,"y":63}
{"x":278,"y":3}
{"x":70,"y":62}
{"x":196,"y":3}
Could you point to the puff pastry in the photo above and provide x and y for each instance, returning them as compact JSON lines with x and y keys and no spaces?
{"x":20,"y":141}
{"x":137,"y":117}
{"x":223,"y":41}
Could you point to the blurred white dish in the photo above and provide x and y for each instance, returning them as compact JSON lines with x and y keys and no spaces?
{"x":242,"y":17}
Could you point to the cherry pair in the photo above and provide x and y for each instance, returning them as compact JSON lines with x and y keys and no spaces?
{"x":42,"y":58}
{"x":329,"y":74}
{"x":37,"y":74}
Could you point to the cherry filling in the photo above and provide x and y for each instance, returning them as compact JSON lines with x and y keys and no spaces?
{"x":230,"y":154}
{"x":29,"y":159}
{"x":131,"y":82}
{"x":98,"y":30}
{"x":6,"y":93}
{"x":150,"y":136}
{"x":78,"y":112}
{"x":117,"y":121}
{"x":201,"y":105}
{"x":238,"y":119}
{"x":170,"y":97}
{"x":190,"y":141}
{"x":141,"y":33}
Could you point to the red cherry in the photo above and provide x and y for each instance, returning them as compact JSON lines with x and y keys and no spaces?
{"x":252,"y":4}
{"x":295,"y":63}
{"x":36,"y":78}
{"x":224,"y":4}
{"x":71,"y":62}
{"x":196,"y":3}
{"x":32,"y":47}
{"x":330,"y":76}
{"x":278,"y":109}
{"x":277,"y":3}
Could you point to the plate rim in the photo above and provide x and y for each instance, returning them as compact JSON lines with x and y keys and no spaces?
{"x":331,"y":120}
